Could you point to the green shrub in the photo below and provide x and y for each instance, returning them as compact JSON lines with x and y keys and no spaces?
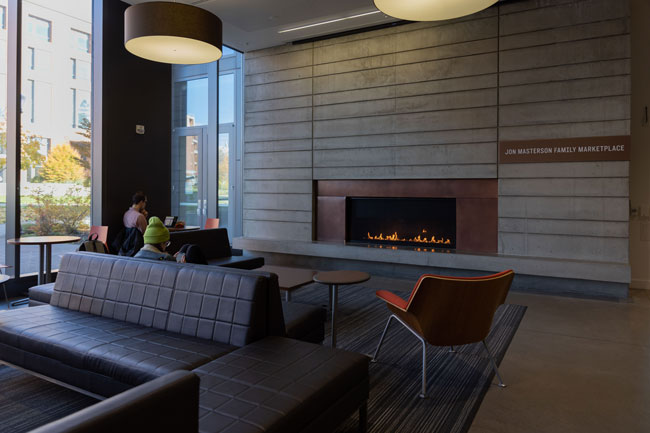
{"x":51,"y":215}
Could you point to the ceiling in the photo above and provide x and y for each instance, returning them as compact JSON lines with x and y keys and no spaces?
{"x":254,"y":24}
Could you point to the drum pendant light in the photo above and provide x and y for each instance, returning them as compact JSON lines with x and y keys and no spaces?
{"x":431,"y":10}
{"x":172,"y":33}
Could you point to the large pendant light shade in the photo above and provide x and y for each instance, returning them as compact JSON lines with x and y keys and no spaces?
{"x":431,"y":10}
{"x":172,"y":33}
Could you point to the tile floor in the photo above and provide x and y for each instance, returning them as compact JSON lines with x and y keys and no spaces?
{"x":575,"y":365}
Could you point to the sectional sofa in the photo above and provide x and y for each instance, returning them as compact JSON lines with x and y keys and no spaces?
{"x":115,"y":323}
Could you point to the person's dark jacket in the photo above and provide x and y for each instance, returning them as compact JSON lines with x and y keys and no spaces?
{"x":128,"y":242}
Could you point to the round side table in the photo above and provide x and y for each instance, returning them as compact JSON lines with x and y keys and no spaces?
{"x":334,"y":279}
{"x":45,"y":248}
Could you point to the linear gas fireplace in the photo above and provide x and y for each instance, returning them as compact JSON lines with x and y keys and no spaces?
{"x":425,"y":214}
{"x":415,"y":222}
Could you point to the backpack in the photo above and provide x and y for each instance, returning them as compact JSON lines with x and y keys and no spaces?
{"x":128,"y":242}
{"x":93,"y":245}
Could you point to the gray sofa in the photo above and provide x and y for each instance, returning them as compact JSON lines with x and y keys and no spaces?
{"x":115,"y":323}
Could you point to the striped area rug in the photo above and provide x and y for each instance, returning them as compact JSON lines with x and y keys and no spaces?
{"x":456,"y":382}
{"x":27,"y":402}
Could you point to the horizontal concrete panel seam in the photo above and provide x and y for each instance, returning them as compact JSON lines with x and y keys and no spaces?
{"x":404,"y":84}
{"x":568,"y":26}
{"x":405,"y":132}
{"x":396,"y":98}
{"x":443,"y":164}
{"x":405,"y":63}
{"x":555,"y":44}
{"x":569,"y":64}
{"x":276,"y":141}
{"x":403,"y":146}
{"x":307,"y":48}
{"x":400,"y":113}
{"x":547,"y":6}
{"x":409,"y":83}
{"x":564,"y":123}
{"x":584,"y":98}
{"x":563,"y":80}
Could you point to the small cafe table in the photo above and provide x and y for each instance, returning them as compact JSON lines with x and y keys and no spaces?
{"x":334,"y":279}
{"x":290,"y":279}
{"x":45,"y":246}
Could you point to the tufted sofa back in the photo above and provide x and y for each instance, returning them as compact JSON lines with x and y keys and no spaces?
{"x":225,"y":305}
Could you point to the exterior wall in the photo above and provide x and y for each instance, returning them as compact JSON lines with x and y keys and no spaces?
{"x":432,"y":100}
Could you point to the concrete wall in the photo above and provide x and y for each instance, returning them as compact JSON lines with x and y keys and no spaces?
{"x":639,"y":173}
{"x":432,"y":100}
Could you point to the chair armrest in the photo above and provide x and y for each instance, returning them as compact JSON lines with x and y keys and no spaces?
{"x":392,"y":299}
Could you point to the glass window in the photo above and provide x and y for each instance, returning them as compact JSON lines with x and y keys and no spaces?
{"x":227,"y":51}
{"x":227,"y":98}
{"x":55,"y":147}
{"x":80,"y":70}
{"x":80,"y":41}
{"x":39,"y":28}
{"x":31,"y":88}
{"x":191,"y":102}
{"x":30,"y":57}
{"x":3,"y":17}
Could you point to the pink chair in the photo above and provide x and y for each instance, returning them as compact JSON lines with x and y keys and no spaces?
{"x":212,"y":223}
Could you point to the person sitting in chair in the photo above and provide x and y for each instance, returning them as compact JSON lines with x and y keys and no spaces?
{"x":156,"y":241}
{"x":136,"y":216}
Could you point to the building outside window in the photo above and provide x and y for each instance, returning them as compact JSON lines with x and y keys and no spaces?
{"x":80,"y":41}
{"x":3,"y":17}
{"x":55,"y":146}
{"x":39,"y":28}
{"x":31,"y":57}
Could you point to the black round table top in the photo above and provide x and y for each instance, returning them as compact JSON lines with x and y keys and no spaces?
{"x":341,"y":277}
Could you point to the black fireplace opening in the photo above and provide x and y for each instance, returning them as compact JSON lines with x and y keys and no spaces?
{"x":428,"y":223}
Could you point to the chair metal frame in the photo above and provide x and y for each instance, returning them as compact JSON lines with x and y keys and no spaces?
{"x":448,"y":311}
{"x":423,"y":393}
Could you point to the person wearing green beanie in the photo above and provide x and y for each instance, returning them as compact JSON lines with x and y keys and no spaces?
{"x":156,"y":241}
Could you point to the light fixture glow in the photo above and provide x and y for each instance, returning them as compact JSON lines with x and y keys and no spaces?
{"x":172,"y":33}
{"x":329,"y":21}
{"x":431,"y":10}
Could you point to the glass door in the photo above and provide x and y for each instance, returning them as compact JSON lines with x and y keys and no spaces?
{"x":189,"y":175}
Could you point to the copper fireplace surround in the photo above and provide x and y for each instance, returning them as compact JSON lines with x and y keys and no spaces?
{"x":476,"y":206}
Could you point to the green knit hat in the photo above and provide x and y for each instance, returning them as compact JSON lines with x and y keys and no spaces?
{"x":156,"y":232}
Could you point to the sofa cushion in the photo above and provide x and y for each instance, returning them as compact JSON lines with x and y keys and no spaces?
{"x":304,"y":322}
{"x":126,"y":352}
{"x":276,"y":385}
{"x":41,"y":293}
{"x":231,"y":307}
{"x":135,"y":291}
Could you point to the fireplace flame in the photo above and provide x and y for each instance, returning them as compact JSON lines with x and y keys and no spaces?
{"x":418,"y":239}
